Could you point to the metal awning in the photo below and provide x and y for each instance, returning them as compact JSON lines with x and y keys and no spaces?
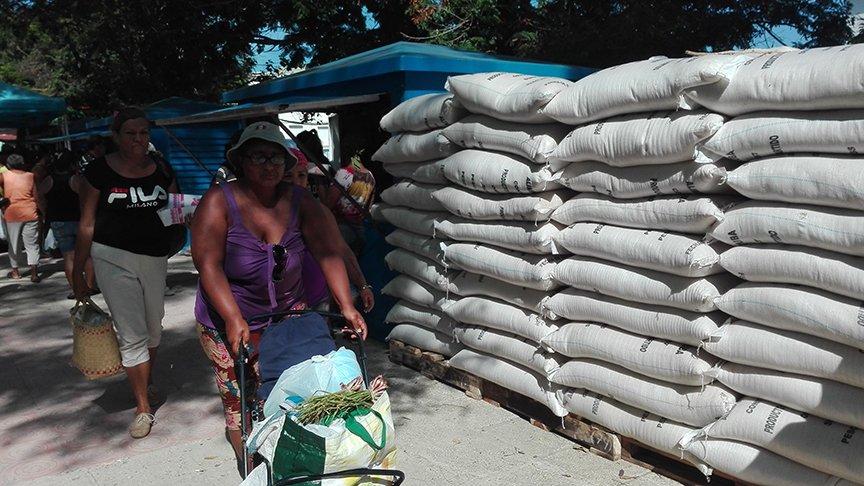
{"x":286,"y":105}
{"x":75,"y":136}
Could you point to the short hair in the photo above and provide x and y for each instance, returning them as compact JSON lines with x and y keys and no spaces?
{"x":126,"y":114}
{"x":94,"y":141}
{"x":15,"y":161}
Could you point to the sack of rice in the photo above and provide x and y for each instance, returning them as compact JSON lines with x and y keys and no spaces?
{"x":642,"y":285}
{"x":652,"y":430}
{"x":473,"y":284}
{"x":800,"y":309}
{"x":663,"y":251}
{"x":495,"y":207}
{"x":755,"y":465}
{"x":425,"y":339}
{"x":405,"y":312}
{"x":517,"y":268}
{"x":765,"y":133}
{"x":405,"y":287}
{"x":403,"y":217}
{"x":693,"y":405}
{"x":431,"y":172}
{"x":414,"y":147}
{"x":413,"y":195}
{"x":658,"y":138}
{"x":422,"y":113}
{"x":663,"y":360}
{"x":533,"y":142}
{"x":645,"y":181}
{"x":826,"y":398}
{"x":831,"y":447}
{"x":506,"y":96}
{"x":430,"y":248}
{"x":641,"y":86}
{"x":743,"y":342}
{"x":685,"y":214}
{"x":421,"y":269}
{"x":516,"y":349}
{"x":498,"y":173}
{"x":840,"y":230}
{"x":511,"y":376}
{"x":496,"y":314}
{"x":661,"y":322}
{"x":523,"y":236}
{"x":827,"y":270}
{"x":822,"y":180}
{"x":824,"y":78}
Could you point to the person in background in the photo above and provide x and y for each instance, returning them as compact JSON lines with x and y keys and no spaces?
{"x":359,"y":183}
{"x":318,"y":182}
{"x":96,"y":147}
{"x":120,"y":228}
{"x":225,"y":172}
{"x":22,"y":216}
{"x":63,"y":212}
{"x":317,"y":293}
{"x":5,"y":152}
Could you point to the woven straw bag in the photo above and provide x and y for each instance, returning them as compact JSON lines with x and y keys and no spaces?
{"x":94,"y":344}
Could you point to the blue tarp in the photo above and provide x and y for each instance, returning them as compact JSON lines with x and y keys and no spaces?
{"x":20,"y":108}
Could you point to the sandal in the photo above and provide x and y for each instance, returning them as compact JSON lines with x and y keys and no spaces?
{"x":35,"y":278}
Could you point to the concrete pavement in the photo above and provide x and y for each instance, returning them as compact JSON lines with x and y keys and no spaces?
{"x":58,"y":428}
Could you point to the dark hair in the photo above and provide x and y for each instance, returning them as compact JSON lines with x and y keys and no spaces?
{"x":94,"y":141}
{"x":64,"y":161}
{"x":126,"y":114}
{"x":311,"y":142}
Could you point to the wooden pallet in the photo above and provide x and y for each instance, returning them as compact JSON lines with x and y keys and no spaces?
{"x":594,"y":438}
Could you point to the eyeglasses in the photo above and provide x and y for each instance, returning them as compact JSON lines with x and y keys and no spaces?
{"x":280,"y":257}
{"x":261,"y":159}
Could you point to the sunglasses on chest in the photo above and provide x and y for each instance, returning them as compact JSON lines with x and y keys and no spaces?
{"x":280,"y":258}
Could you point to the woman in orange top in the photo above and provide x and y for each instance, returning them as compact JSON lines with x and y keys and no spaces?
{"x":22,"y":217}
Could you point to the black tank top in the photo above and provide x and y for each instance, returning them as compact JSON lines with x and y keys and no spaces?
{"x":62,"y":202}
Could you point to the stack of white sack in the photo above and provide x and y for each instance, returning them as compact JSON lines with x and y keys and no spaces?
{"x":794,"y":346}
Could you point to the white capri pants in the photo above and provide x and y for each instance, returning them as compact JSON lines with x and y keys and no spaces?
{"x":23,"y":237}
{"x":134,"y":289}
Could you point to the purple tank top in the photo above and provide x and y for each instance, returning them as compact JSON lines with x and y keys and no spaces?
{"x":249,"y":268}
{"x":313,"y":281}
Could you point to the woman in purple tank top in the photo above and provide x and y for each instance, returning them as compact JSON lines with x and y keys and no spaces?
{"x":248,"y":242}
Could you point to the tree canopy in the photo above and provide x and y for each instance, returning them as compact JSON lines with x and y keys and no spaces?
{"x":108,"y":52}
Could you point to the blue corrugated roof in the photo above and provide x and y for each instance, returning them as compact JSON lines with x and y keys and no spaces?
{"x":20,"y":108}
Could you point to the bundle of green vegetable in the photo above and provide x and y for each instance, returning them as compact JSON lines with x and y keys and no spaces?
{"x":323,"y":409}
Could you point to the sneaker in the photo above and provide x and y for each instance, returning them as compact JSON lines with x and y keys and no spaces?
{"x":141,"y":427}
{"x":153,"y":395}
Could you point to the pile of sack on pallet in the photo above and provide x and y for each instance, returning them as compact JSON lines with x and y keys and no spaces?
{"x":670,"y":248}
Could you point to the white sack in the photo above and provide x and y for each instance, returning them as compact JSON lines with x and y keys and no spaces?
{"x":819,"y":396}
{"x":674,"y":253}
{"x":498,"y":173}
{"x":645,"y":181}
{"x":642,"y":285}
{"x":421,"y":113}
{"x":755,"y":135}
{"x":405,"y":287}
{"x":835,"y":181}
{"x":425,"y":339}
{"x":800,"y":309}
{"x":824,"y":78}
{"x":840,"y":230}
{"x":495,"y":314}
{"x":403,"y":217}
{"x":405,"y":312}
{"x":827,"y":270}
{"x":686,"y":214}
{"x":650,"y":85}
{"x":477,"y":205}
{"x":750,"y":344}
{"x":472,"y":284}
{"x":661,"y":137}
{"x":523,"y":236}
{"x":506,"y":96}
{"x":415,"y":147}
{"x":830,"y":447}
{"x":419,"y":268}
{"x":430,"y":172}
{"x":413,"y":195}
{"x":692,"y":405}
{"x":523,"y":269}
{"x":511,"y":347}
{"x":663,"y":360}
{"x":533,"y":142}
{"x":661,"y":322}
{"x":429,"y":248}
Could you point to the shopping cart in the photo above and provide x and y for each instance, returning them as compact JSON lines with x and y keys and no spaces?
{"x":398,"y":476}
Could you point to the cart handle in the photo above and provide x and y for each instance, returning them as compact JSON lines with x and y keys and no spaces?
{"x":397,"y":475}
